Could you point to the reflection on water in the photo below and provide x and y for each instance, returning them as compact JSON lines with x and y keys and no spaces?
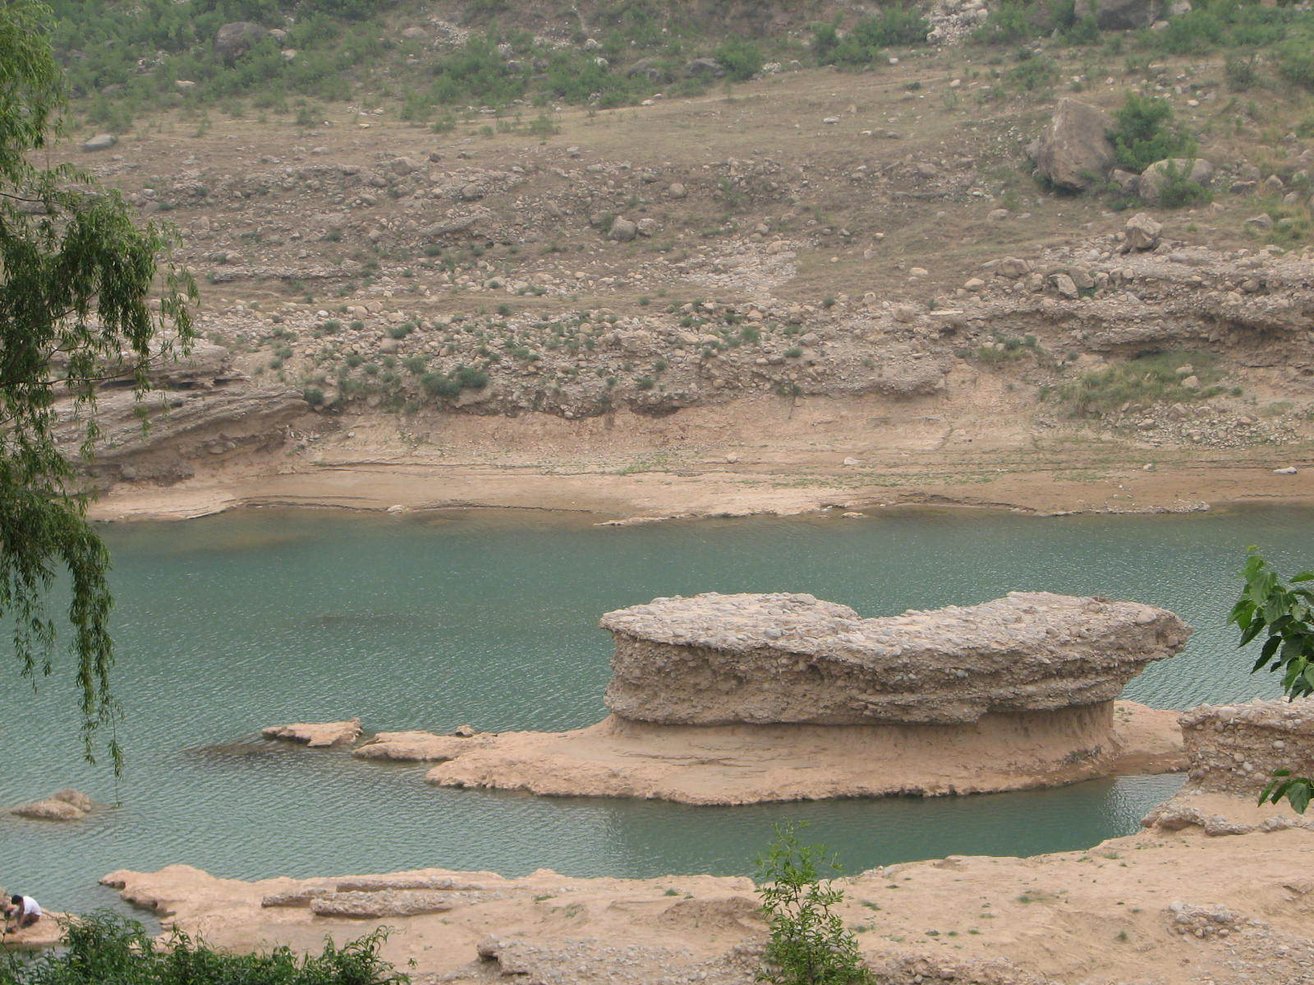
{"x":232,"y":623}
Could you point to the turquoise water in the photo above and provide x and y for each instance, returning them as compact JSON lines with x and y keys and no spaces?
{"x":230,"y":623}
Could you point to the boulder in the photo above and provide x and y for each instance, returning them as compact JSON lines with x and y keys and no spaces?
{"x":1120,"y":15}
{"x":1155,"y":177}
{"x":316,"y":735}
{"x":234,"y":40}
{"x":623,"y":230}
{"x":779,"y":658}
{"x":1141,"y":233}
{"x":704,"y":68}
{"x":1074,"y":151}
{"x":102,"y":141}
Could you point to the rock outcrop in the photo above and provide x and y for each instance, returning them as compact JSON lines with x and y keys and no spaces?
{"x":1235,"y":748}
{"x":1074,"y":151}
{"x":1120,"y":15}
{"x":772,"y":659}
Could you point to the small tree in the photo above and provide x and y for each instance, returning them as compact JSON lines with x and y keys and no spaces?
{"x":809,"y":944}
{"x":1287,"y":614}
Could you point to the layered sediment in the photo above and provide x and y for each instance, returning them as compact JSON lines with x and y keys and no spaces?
{"x":771,"y":659}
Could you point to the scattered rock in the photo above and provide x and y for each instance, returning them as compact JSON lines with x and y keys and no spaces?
{"x":622,"y":230}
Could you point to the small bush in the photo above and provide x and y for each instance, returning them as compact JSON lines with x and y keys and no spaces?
{"x":1144,"y":133}
{"x":1178,"y":190}
{"x":313,"y":395}
{"x":1295,"y":59}
{"x":1140,"y":382}
{"x":440,"y":385}
{"x":894,"y":25}
{"x":809,"y":944}
{"x":741,"y":59}
{"x":103,"y":947}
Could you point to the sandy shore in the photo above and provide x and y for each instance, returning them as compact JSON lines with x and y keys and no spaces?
{"x":1161,"y":906}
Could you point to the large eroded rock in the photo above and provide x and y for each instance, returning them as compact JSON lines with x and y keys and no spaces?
{"x":765,"y":659}
{"x":1074,"y":151}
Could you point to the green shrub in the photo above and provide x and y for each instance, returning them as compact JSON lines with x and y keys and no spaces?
{"x":1241,"y":72}
{"x":809,"y":944}
{"x":741,"y":59}
{"x":469,"y":378}
{"x":313,"y":395}
{"x":1144,"y":133}
{"x":103,"y":948}
{"x":894,"y":25}
{"x":440,"y":385}
{"x":1178,"y":190}
{"x":1295,"y":59}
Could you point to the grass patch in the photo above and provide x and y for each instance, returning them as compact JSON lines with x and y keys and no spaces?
{"x":1141,"y":382}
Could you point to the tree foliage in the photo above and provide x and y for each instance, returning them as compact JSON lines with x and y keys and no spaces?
{"x":809,"y":944}
{"x":77,"y":283}
{"x":1285,"y":615}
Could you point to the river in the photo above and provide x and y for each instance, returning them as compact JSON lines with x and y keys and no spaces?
{"x":230,"y":623}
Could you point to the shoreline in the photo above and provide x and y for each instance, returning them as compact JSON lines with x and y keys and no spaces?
{"x":614,"y":499}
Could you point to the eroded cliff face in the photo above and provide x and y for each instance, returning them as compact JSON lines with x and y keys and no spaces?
{"x":770,"y":659}
{"x":1235,"y":748}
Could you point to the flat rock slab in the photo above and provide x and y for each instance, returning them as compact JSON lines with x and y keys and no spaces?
{"x":415,"y":746}
{"x":316,"y":735}
{"x":777,"y":658}
{"x":746,"y":764}
{"x":45,"y":933}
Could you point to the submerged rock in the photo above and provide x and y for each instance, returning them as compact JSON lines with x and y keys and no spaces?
{"x":63,"y":805}
{"x":316,"y":735}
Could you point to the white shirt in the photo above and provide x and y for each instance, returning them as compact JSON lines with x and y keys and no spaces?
{"x":29,"y":907}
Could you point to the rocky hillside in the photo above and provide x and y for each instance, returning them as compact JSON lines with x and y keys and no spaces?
{"x":900,"y":228}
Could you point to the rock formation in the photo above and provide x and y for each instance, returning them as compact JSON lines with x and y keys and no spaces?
{"x":1235,"y":748}
{"x":733,"y":699}
{"x":771,"y":659}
